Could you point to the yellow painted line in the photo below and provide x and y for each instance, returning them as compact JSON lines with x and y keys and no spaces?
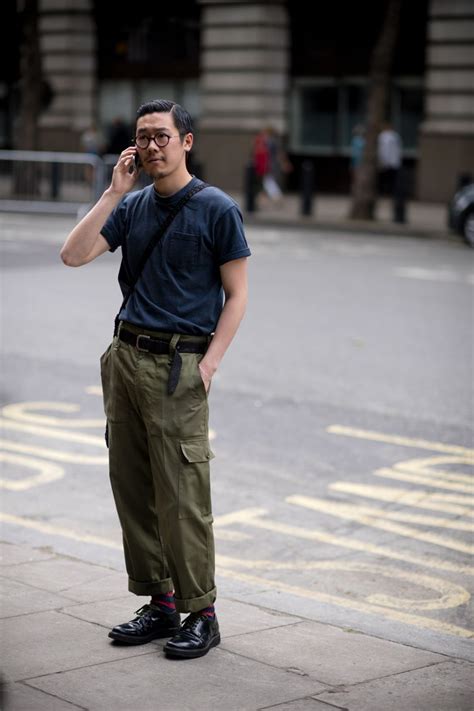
{"x":430,"y":467}
{"x":54,"y":454}
{"x":452,"y":595}
{"x":358,"y":513}
{"x":59,"y":531}
{"x":26,"y":412}
{"x":51,"y":433}
{"x":251,"y":517}
{"x":406,"y":497}
{"x":223,"y":534}
{"x":241,"y":516}
{"x":353,"y":544}
{"x":94,"y":390}
{"x":396,"y":439}
{"x":48,"y":472}
{"x":399,"y":475}
{"x":387,"y":612}
{"x":410,"y":619}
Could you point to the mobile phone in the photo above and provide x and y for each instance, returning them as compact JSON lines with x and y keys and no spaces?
{"x":136,"y":163}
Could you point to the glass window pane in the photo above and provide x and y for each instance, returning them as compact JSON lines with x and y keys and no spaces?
{"x":411,"y":114}
{"x":356,"y":108}
{"x":318,"y":116}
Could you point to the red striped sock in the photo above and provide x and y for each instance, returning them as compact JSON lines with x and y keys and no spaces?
{"x":208,"y":612}
{"x":165,"y":601}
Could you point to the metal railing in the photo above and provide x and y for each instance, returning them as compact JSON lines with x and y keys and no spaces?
{"x":54,"y":182}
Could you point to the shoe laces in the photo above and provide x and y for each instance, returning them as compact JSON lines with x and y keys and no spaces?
{"x":192,"y":621}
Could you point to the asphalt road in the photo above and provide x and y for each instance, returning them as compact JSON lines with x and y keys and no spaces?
{"x":341,"y":419}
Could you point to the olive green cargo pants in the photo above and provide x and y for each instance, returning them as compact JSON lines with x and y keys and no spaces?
{"x":159,"y":470}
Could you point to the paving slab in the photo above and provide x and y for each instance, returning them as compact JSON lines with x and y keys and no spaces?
{"x":220,"y":681}
{"x":330,"y":654}
{"x":72,"y":578}
{"x":19,"y":599}
{"x":441,"y":687}
{"x":12,"y":554}
{"x":235,"y":618}
{"x":310,"y":704}
{"x":20,"y":697}
{"x":51,"y":642}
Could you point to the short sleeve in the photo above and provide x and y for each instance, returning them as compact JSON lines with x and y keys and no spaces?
{"x":229,"y":237}
{"x":115,"y":227}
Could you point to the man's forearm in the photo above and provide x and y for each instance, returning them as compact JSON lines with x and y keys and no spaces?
{"x":229,"y":321}
{"x":82,"y":239}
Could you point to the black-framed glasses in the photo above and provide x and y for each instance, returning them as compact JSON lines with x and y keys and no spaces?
{"x":161,"y":139}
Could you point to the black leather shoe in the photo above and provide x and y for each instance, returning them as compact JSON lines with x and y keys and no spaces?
{"x":198,"y":634}
{"x":151,"y":623}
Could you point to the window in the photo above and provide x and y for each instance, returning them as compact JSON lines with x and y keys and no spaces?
{"x":325,"y":111}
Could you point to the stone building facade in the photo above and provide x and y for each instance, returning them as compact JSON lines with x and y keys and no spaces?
{"x":243,"y":65}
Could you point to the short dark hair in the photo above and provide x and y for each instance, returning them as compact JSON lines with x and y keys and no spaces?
{"x":182,"y":119}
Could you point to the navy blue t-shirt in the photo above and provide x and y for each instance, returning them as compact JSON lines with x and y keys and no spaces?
{"x":180,"y":288}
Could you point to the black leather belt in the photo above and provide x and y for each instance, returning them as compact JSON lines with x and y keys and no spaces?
{"x":148,"y":344}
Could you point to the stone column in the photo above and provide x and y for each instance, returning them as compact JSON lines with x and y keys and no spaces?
{"x":68,"y":46}
{"x":244,"y":83}
{"x":447,"y":133}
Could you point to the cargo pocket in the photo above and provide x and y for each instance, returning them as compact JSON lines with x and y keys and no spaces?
{"x":194,"y":493}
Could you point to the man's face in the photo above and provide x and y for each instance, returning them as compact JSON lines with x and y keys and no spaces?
{"x":159,"y":162}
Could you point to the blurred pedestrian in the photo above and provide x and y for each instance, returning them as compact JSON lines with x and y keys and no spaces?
{"x":389,"y":157}
{"x":270,"y":162}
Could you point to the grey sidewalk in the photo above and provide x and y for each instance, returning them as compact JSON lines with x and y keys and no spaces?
{"x":56,"y":612}
{"x":330,"y":212}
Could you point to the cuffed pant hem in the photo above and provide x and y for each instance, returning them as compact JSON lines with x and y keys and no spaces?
{"x":194,"y":604}
{"x":150,"y":588}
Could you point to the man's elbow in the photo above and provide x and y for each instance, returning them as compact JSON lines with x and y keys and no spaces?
{"x":68,"y":259}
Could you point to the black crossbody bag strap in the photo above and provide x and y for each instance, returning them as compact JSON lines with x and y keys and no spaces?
{"x":154,"y":241}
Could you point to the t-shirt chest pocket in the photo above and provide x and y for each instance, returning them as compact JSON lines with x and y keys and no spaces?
{"x":182,"y":250}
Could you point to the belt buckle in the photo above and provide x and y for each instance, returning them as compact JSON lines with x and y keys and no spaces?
{"x":137,"y":343}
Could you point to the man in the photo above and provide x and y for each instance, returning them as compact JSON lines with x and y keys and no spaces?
{"x":389,"y":154}
{"x":171,"y":336}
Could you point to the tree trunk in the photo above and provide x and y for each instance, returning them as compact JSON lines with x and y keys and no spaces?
{"x":365,"y":179}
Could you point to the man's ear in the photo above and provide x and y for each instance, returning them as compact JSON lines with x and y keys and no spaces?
{"x":188,"y":142}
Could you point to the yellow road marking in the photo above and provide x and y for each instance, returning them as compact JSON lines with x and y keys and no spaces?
{"x":26,"y":412}
{"x":429,"y":467}
{"x":48,"y":472}
{"x":241,"y":516}
{"x":359,"y":513}
{"x":416,"y":620}
{"x":387,"y":612}
{"x":396,"y":439}
{"x":55,"y":454}
{"x":51,"y":433}
{"x":59,"y":531}
{"x":407,"y":497}
{"x":356,"y":512}
{"x":400,"y":475}
{"x":353,"y":544}
{"x":94,"y":390}
{"x":452,"y":595}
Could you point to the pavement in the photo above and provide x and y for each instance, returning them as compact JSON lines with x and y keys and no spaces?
{"x":331,"y":212}
{"x":57,"y":611}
